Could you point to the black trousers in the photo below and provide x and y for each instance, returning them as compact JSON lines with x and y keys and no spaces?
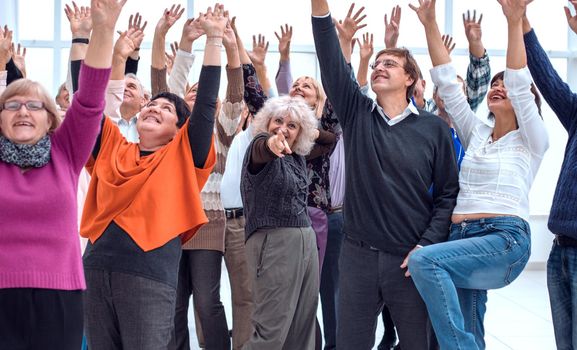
{"x":32,"y":318}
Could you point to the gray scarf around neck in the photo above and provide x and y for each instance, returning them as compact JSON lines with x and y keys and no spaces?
{"x":25,"y":156}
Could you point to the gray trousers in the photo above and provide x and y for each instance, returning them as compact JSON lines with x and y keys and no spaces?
{"x":369,"y":279}
{"x":123,"y":311}
{"x":240,"y":281}
{"x":283,"y":265}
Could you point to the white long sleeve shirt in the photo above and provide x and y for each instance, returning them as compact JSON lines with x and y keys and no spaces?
{"x":495,"y":176}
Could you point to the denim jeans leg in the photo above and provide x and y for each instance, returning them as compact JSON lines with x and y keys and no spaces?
{"x":473,"y":304}
{"x":562,"y":286}
{"x":483,"y":254}
{"x":330,"y":279}
{"x":360,"y":300}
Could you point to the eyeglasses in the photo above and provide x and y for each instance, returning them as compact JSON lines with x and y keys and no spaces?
{"x":16,"y":105}
{"x":386,"y":63}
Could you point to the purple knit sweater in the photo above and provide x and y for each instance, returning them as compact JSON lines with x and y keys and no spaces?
{"x":39,"y":243}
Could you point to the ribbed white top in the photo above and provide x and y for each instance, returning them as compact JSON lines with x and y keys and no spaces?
{"x":495,"y":177}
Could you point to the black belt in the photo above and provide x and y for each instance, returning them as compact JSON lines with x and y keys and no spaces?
{"x":233,"y":213}
{"x":360,"y":243}
{"x":565,"y":241}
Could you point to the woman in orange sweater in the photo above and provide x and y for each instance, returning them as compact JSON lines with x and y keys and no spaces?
{"x":143,"y":202}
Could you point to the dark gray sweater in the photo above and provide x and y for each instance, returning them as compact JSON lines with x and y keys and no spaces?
{"x":274,"y":194}
{"x":389,"y":169}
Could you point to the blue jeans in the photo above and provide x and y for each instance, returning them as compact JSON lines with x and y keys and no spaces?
{"x":330,"y":279}
{"x":562,"y":286}
{"x":453,"y":277}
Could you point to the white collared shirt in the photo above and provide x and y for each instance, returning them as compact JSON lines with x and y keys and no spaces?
{"x":399,"y":118}
{"x":128,"y":129}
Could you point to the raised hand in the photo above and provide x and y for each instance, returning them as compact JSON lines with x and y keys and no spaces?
{"x":169,"y":17}
{"x":284,"y":41}
{"x":104,"y":13}
{"x":127,"y":42}
{"x":392,"y":27}
{"x":278,"y":144}
{"x":571,"y":20}
{"x":135,"y":21}
{"x":351,"y":24}
{"x":229,"y":38}
{"x":19,"y":57}
{"x":171,"y":57}
{"x":514,"y":10}
{"x":366,"y":47}
{"x":425,"y":11}
{"x":259,"y":50}
{"x":213,"y":22}
{"x":80,"y":20}
{"x":448,"y":42}
{"x":5,"y":46}
{"x":472,"y":26}
{"x":192,"y":30}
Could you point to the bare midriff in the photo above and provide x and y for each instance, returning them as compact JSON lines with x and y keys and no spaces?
{"x":458,"y":218}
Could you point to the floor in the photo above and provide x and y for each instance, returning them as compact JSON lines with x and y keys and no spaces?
{"x":518,"y":316}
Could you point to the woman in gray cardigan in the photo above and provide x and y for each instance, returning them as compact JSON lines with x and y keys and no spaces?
{"x":280,"y":243}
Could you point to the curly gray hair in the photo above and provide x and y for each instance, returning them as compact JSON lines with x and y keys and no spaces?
{"x":299,"y":112}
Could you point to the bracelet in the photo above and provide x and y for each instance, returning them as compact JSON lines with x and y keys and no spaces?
{"x":80,"y":41}
{"x":215,"y":36}
{"x":214,"y":44}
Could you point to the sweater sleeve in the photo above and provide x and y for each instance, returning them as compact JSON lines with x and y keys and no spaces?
{"x":81,"y":125}
{"x":445,"y":190}
{"x":451,"y":92}
{"x":3,"y":75}
{"x":179,"y":75}
{"x":260,"y":154}
{"x":114,"y":97}
{"x":531,"y":125}
{"x":158,"y":80}
{"x":131,"y":66}
{"x":284,"y":78}
{"x":323,"y":145}
{"x":74,"y":74}
{"x":13,"y":72}
{"x":343,"y":92}
{"x":254,"y":96}
{"x":554,"y":90}
{"x":201,"y":121}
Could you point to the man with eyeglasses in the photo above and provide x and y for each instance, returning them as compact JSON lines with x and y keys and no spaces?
{"x":394,"y":153}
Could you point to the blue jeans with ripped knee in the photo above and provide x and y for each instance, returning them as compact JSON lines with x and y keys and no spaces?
{"x":453,"y":277}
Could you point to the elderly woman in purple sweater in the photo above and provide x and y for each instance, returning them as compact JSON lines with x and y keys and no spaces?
{"x":41,"y":278}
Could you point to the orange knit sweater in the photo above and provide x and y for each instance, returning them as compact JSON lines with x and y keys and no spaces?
{"x":153,"y":198}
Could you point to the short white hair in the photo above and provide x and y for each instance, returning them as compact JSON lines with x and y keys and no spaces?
{"x":299,"y":112}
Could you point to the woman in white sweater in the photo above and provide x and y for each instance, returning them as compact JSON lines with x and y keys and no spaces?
{"x":489,"y":242}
